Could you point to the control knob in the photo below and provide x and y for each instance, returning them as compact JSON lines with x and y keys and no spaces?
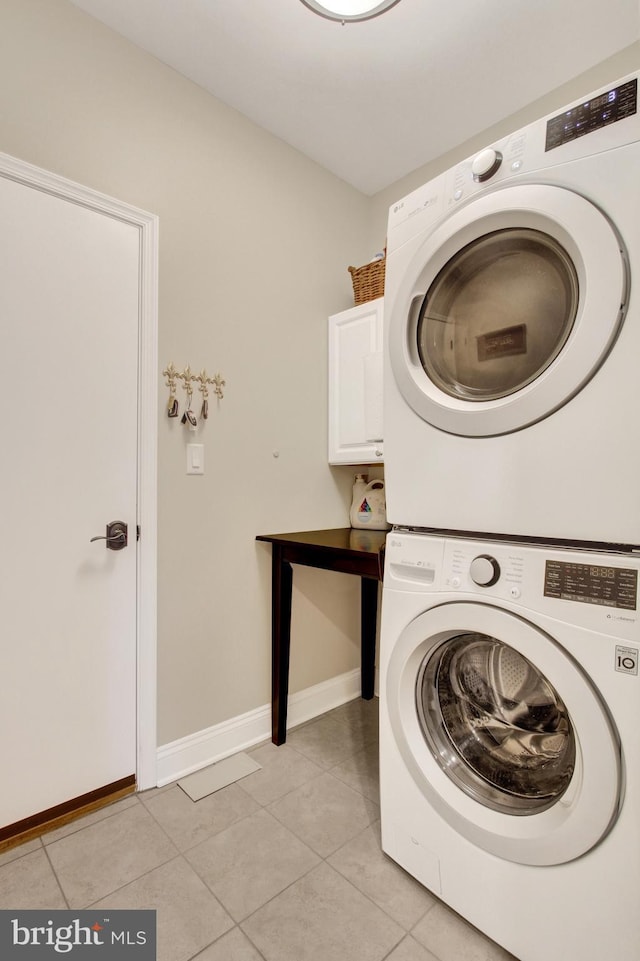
{"x":486,"y":164}
{"x":484,"y":570}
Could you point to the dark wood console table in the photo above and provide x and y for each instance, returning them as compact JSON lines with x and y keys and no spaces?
{"x":345,"y":550}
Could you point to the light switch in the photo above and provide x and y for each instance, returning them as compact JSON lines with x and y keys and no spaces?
{"x":195,"y":458}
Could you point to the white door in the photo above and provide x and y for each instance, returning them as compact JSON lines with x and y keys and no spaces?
{"x":507,"y":310}
{"x":70,"y":308}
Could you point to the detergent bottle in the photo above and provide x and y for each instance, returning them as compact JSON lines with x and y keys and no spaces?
{"x":368,"y":507}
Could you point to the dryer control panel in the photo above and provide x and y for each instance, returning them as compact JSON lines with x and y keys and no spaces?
{"x":609,"y":107}
{"x":529,"y":154}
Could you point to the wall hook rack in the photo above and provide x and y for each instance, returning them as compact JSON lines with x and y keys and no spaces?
{"x":171,"y":374}
{"x":188,"y":378}
{"x":204,"y":380}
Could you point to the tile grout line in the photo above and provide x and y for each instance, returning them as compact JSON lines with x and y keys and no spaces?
{"x":380,"y":907}
{"x":236,"y":927}
{"x":322,"y":860}
{"x":366,"y":743}
{"x":162,"y":864}
{"x":177,"y":853}
{"x":81,"y":827}
{"x":55,"y":874}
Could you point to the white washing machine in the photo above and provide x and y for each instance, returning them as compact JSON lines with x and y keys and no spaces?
{"x":512,"y":334}
{"x":510,"y":739}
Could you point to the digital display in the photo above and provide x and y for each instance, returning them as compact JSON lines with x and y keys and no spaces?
{"x":607,"y":108}
{"x":590,"y":584}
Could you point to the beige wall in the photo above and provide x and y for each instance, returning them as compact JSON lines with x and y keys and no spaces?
{"x":254,"y":244}
{"x":624,"y":62}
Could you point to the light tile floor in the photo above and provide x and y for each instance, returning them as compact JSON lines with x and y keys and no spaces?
{"x":284,"y":865}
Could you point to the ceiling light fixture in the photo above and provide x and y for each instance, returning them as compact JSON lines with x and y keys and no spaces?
{"x":345,"y":11}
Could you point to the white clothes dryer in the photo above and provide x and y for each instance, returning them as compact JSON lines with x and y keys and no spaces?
{"x":510,"y":739}
{"x":512,"y":342}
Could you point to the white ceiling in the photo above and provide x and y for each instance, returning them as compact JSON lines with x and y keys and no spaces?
{"x":373,"y":101}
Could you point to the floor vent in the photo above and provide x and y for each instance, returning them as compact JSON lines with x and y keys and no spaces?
{"x":216,"y":776}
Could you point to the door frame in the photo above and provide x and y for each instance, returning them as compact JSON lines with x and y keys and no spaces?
{"x":19,"y":171}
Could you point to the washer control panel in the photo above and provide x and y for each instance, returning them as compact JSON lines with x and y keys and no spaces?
{"x":597,"y":591}
{"x":609,"y":585}
{"x":499,"y":571}
{"x":417,"y":562}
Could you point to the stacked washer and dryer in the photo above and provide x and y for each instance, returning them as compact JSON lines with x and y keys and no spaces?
{"x":509,"y":687}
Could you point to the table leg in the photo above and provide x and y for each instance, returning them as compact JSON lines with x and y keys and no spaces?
{"x":281,"y":586}
{"x":368,"y":623}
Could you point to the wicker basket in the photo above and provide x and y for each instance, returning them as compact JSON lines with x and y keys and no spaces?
{"x":368,"y":281}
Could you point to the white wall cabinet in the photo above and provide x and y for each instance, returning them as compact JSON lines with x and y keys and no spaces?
{"x":355,"y":385}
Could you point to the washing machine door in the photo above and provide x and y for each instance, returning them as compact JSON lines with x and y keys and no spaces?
{"x":507,"y":309}
{"x":504,"y":734}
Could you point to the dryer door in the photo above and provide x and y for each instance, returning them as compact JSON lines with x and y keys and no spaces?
{"x":507,"y":310}
{"x":504,"y":734}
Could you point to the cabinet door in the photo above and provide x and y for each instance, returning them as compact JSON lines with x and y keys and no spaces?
{"x":355,"y":385}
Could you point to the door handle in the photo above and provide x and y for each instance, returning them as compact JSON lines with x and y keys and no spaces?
{"x":116,"y":536}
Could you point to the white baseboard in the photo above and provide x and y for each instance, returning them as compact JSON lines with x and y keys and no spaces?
{"x":189,"y":754}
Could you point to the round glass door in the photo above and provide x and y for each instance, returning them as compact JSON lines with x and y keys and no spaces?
{"x":506,"y":309}
{"x":497,"y":314}
{"x":502,"y":732}
{"x":496,"y":725}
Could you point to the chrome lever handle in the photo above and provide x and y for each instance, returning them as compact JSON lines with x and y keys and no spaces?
{"x":116,"y":536}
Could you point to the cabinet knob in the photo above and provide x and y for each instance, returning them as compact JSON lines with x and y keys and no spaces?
{"x":378,"y":452}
